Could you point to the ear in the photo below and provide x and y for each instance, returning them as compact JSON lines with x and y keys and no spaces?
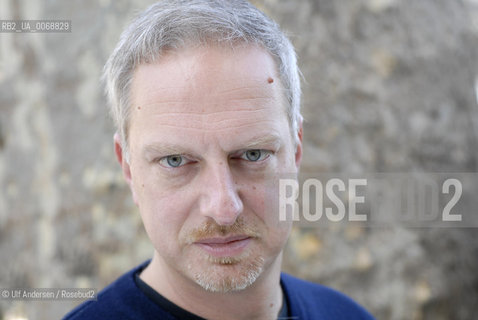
{"x":125,"y":166}
{"x":298,"y":150}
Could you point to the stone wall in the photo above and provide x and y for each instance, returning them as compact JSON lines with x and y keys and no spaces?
{"x":389,"y":86}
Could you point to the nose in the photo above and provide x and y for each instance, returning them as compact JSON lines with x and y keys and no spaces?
{"x":220,"y":198}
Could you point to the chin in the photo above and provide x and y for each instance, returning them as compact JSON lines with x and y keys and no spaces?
{"x":228,"y":274}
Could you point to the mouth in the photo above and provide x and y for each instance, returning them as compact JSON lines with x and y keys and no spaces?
{"x":224,"y":247}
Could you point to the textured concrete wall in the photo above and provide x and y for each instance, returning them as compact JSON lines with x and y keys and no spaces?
{"x":390,"y":87}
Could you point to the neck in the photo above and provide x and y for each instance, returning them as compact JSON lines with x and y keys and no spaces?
{"x":261,"y":300}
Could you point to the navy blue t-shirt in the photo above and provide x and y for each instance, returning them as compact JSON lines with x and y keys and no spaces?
{"x":123,"y":299}
{"x":179,"y":312}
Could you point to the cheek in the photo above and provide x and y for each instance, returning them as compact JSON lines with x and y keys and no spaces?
{"x":163,"y":211}
{"x":263,"y":201}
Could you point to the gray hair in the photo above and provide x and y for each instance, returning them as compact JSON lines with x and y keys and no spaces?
{"x":172,"y":24}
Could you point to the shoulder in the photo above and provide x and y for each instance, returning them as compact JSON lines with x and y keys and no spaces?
{"x":310,"y":300}
{"x":122,"y":299}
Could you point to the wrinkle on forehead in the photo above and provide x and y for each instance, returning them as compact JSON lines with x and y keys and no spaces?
{"x":210,"y":112}
{"x":252,"y":101}
{"x":210,"y":120}
{"x":182,"y":99}
{"x":219,"y":128}
{"x":208,"y":116}
{"x":227,"y":88}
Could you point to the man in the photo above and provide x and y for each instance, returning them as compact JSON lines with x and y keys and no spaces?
{"x":206,"y":95}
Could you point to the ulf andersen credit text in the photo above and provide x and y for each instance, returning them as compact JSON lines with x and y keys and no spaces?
{"x":48,"y":294}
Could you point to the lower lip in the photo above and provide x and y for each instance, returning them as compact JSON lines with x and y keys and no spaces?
{"x":228,"y":249}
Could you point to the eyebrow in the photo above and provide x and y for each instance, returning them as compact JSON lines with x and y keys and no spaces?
{"x":263,"y":140}
{"x":164,"y":149}
{"x":270,"y":141}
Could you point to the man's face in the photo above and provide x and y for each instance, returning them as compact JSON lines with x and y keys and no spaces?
{"x":208,"y":137}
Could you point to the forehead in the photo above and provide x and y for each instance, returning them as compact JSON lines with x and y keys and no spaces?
{"x":208,"y":89}
{"x":222,"y":70}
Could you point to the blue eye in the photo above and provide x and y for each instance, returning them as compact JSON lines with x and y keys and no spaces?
{"x":173,"y":161}
{"x":255,"y":155}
